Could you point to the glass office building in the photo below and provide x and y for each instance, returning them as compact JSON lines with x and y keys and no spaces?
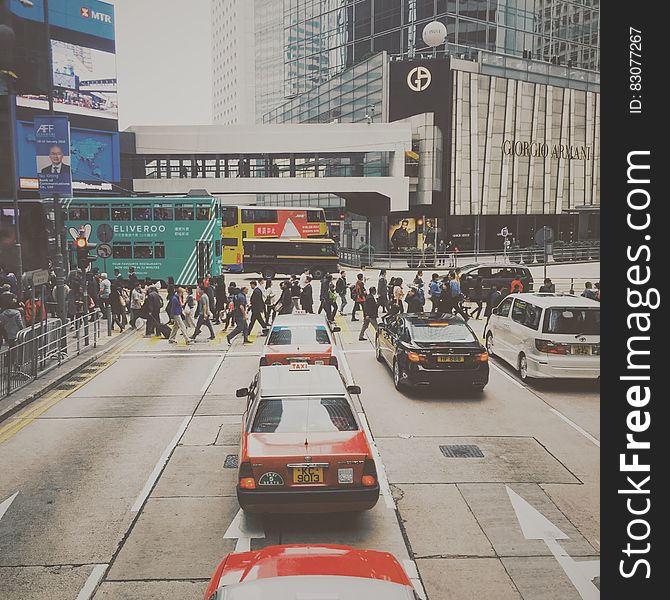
{"x":324,"y":37}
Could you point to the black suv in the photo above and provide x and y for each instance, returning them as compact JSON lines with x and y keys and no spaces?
{"x":497,"y":274}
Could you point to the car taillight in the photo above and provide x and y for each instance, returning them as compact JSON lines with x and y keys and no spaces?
{"x":595,"y":349}
{"x":246,"y":476}
{"x":551,"y":347}
{"x":483,"y":357}
{"x":369,"y":473}
{"x":415,"y":357}
{"x":264,"y":362}
{"x":333,"y":361}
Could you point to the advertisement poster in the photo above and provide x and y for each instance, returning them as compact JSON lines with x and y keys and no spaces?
{"x":402,"y":234}
{"x":52,"y":154}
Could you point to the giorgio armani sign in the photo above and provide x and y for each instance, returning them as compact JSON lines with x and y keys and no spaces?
{"x":544,"y":150}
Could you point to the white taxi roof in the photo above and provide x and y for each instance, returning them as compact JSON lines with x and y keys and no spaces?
{"x":301,"y":320}
{"x":548,"y":300}
{"x":316,"y":380}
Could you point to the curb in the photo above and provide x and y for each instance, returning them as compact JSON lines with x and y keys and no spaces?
{"x":21,"y":404}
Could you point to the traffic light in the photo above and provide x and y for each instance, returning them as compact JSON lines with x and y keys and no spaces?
{"x":419,"y":225}
{"x":83,"y":247}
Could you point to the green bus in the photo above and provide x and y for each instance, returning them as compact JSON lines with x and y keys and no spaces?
{"x":161,"y":237}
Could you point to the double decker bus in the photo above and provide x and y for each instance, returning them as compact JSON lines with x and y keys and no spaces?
{"x":161,"y":237}
{"x":240,"y":223}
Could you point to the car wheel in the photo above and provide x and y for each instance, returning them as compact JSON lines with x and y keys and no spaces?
{"x":523,"y":367}
{"x":378,"y":351}
{"x":318,"y":273}
{"x":489,"y":343}
{"x":268,"y":272}
{"x":397,"y":375}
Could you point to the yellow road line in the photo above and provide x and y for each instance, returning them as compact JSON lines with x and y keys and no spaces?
{"x":344,"y":325}
{"x":16,"y":424}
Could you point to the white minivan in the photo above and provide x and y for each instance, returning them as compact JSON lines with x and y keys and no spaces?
{"x":546,"y":335}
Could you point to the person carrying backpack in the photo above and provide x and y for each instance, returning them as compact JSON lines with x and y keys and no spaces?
{"x":359,"y":293}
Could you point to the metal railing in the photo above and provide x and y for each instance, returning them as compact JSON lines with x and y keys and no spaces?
{"x":45,"y":346}
{"x":415,"y":259}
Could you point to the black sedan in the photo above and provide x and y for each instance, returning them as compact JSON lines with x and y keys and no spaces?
{"x":427,"y":348}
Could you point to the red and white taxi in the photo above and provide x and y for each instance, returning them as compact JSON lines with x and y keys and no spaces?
{"x":300,"y":337}
{"x":303,"y":448}
{"x":310,"y":571}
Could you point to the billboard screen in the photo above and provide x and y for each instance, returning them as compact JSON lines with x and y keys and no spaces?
{"x":52,"y":154}
{"x":84,"y":82}
{"x":94,"y":157}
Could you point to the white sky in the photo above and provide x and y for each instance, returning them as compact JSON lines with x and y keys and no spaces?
{"x":163,"y":59}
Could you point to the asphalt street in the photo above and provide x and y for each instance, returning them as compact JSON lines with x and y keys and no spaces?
{"x":123,"y":485}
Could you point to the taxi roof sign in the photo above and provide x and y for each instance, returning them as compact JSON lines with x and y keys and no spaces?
{"x":299,"y":366}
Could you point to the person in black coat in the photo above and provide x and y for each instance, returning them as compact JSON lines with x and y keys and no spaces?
{"x":493,"y":301}
{"x":285,"y":302}
{"x":152,"y":311}
{"x":477,"y":296}
{"x":413,"y":301}
{"x":257,"y":308}
{"x":306,"y":297}
{"x":370,"y":313}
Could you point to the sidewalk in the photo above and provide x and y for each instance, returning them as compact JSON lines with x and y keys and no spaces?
{"x":57,"y":375}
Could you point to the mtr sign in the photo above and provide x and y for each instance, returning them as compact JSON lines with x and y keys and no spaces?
{"x":88,"y":13}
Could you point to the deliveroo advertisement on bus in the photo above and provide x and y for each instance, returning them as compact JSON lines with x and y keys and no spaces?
{"x":178,"y":239}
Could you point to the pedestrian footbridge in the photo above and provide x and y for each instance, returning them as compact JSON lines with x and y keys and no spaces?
{"x":363,"y":163}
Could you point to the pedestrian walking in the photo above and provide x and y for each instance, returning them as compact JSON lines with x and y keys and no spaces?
{"x":118,"y":306}
{"x":189,"y":304}
{"x":596,"y":285}
{"x":136,"y":302}
{"x":220,"y":299}
{"x":434,"y":292}
{"x":303,"y":278}
{"x":588,"y":292}
{"x":269,"y":299}
{"x":418,"y":279}
{"x":284,"y":305}
{"x":342,"y":289}
{"x":516,"y":286}
{"x":204,"y":312}
{"x":324,"y":302}
{"x":240,"y":316}
{"x":232,"y":292}
{"x":493,"y":300}
{"x":382,"y":290}
{"x":294,"y":284}
{"x":152,"y":310}
{"x":105,"y":292}
{"x":398,"y":295}
{"x":175,"y":310}
{"x":477,"y":296}
{"x":257,"y":304}
{"x":370,"y":313}
{"x":359,"y":295}
{"x":548,"y":287}
{"x":306,"y":297}
{"x":413,"y":301}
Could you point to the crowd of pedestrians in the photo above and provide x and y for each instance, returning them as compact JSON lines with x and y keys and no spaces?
{"x":191,"y":309}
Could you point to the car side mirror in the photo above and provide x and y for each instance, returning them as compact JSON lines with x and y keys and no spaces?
{"x":242,"y":392}
{"x":336,"y":329}
{"x":354,"y":389}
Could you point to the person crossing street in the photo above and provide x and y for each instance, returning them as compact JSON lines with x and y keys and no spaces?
{"x":204,"y":313}
{"x":240,"y":316}
{"x":257,"y":304}
{"x":175,"y":310}
{"x":370,"y":313}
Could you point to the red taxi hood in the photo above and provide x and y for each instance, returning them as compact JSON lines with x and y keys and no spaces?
{"x":260,"y":445}
{"x":298,"y":349}
{"x":286,"y":561}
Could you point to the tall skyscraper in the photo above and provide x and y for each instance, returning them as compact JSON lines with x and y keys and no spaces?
{"x":233,"y":62}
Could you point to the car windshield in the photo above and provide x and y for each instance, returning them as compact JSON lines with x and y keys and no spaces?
{"x":285,"y":336}
{"x":572,"y":321}
{"x":313,"y":586}
{"x":441,"y":331}
{"x":296,"y":415}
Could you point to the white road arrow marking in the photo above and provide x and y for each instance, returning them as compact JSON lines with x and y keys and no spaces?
{"x":535,"y":526}
{"x":244,"y":528}
{"x":6,"y":504}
